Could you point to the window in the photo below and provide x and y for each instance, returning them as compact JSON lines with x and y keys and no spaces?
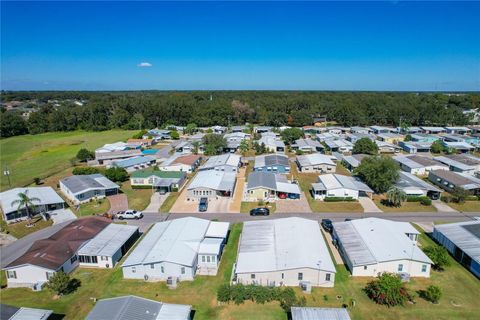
{"x":208,"y":258}
{"x":134,"y":270}
{"x":162,"y":269}
{"x":424,"y":268}
{"x":203,"y":258}
{"x":11,"y":274}
{"x":400,"y":267}
{"x":49,"y":275}
{"x":182,"y":270}
{"x":88,"y":259}
{"x":73,"y":259}
{"x":283,"y":275}
{"x":104,"y":258}
{"x":364,"y":267}
{"x":152,"y":266}
{"x":300,"y":276}
{"x":327,"y":277}
{"x":213,"y":258}
{"x":252,"y":276}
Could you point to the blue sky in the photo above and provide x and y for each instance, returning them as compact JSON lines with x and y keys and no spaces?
{"x":240,"y":45}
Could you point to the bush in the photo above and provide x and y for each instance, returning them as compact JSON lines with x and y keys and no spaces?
{"x":85,"y":170}
{"x":140,"y":134}
{"x":174,"y":135}
{"x":446,"y":199}
{"x":432,"y":294}
{"x":37,"y":181}
{"x":426,"y":201}
{"x":224,"y":293}
{"x":339,"y":199}
{"x":116,"y":174}
{"x":83,"y":155}
{"x":387,"y":290}
{"x":439,"y":256}
{"x":61,"y":284}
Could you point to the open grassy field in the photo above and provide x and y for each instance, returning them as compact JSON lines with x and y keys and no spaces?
{"x":43,"y":155}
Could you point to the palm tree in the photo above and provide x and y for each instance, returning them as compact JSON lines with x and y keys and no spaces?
{"x":196,"y":146}
{"x":396,"y":196}
{"x":244,"y":147}
{"x":24,"y":201}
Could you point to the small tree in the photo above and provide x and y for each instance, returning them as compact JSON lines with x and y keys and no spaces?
{"x":396,"y":196}
{"x":175,"y":135}
{"x":140,"y":134}
{"x":214,"y":144}
{"x":59,"y":283}
{"x":432,"y":294}
{"x":365,"y":145}
{"x":83,"y":155}
{"x":388,"y":289}
{"x":191,"y":128}
{"x":459,"y":194}
{"x":37,"y":181}
{"x":196,"y":146}
{"x":116,"y":174}
{"x":439,"y":256}
{"x":407,"y":138}
{"x":437,"y":147}
{"x":244,"y":146}
{"x":288,"y":299}
{"x":24,"y":201}
{"x":378,"y":172}
{"x":289,"y":135}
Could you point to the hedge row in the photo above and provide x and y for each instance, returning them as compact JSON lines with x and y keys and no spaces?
{"x":424,"y":200}
{"x":339,"y":199}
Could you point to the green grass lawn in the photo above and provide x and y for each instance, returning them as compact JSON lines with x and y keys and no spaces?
{"x":245,"y":207}
{"x":467,"y":206}
{"x":19,"y":229}
{"x":406,"y":206}
{"x":138,"y":199}
{"x":93,"y":207}
{"x":43,"y":155}
{"x":169,"y":202}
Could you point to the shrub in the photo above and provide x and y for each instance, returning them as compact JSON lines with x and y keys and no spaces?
{"x":61,"y":284}
{"x":85,"y":170}
{"x":140,"y":134}
{"x":416,"y":198}
{"x":439,"y":256}
{"x":83,"y":155}
{"x":37,"y":181}
{"x":116,"y":174}
{"x":339,"y":199}
{"x":175,"y":135}
{"x":224,"y":293}
{"x":446,"y":199}
{"x":388,"y":290}
{"x":299,"y":152}
{"x":426,"y":201}
{"x":432,"y":294}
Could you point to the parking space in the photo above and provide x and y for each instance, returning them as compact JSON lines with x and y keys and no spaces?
{"x":368,"y":205}
{"x":293,"y":205}
{"x":118,"y":202}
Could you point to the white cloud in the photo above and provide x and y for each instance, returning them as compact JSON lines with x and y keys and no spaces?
{"x":144,"y":65}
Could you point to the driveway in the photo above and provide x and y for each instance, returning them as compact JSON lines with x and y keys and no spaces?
{"x":368,"y":205}
{"x":335,"y":253}
{"x":149,"y":218}
{"x":236,"y":202}
{"x":293,"y":205}
{"x":156,"y":202}
{"x":442,"y":206}
{"x":62,"y":215}
{"x":118,"y":202}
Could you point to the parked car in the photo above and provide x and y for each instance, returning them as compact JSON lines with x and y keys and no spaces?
{"x":327,"y":225}
{"x":262,"y":211}
{"x":347,"y":219}
{"x":282,"y":195}
{"x":203,"y":204}
{"x":129,"y":214}
{"x":293,"y":196}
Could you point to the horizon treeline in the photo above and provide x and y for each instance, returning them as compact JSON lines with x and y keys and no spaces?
{"x":149,"y":109}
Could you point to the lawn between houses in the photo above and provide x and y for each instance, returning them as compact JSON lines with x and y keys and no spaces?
{"x":459,"y":301}
{"x":43,"y":155}
{"x":405,"y":207}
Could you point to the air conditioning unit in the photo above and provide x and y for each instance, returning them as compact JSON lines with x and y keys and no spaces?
{"x":306,"y":286}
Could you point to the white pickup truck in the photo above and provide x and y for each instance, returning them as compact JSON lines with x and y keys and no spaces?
{"x":129,"y":214}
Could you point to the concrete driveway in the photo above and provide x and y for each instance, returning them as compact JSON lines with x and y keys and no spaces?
{"x":442,"y":206}
{"x":156,"y":202}
{"x":118,"y":202}
{"x":368,"y":205}
{"x":62,"y":215}
{"x":293,"y":205}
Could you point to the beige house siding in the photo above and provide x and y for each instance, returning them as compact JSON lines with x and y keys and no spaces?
{"x":323,"y":168}
{"x":259,"y":194}
{"x":414,"y":268}
{"x":317,"y":278}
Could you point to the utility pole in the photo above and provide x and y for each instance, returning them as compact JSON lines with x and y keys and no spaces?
{"x":6,"y":172}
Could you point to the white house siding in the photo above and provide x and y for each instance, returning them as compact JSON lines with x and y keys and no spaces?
{"x":414,"y":268}
{"x":321,"y":168}
{"x":206,"y":267}
{"x":290,"y":278}
{"x":155,"y":274}
{"x":87,"y":196}
{"x":198,"y":193}
{"x":177,"y":167}
{"x":341,"y":192}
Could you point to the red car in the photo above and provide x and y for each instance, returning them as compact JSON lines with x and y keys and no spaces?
{"x":282,"y":195}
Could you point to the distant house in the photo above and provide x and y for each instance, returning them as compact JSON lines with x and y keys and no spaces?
{"x":49,"y":201}
{"x":262,"y":129}
{"x":104,"y":158}
{"x":371,"y":246}
{"x":461,"y":163}
{"x":224,"y":162}
{"x":272,"y":143}
{"x":141,"y":142}
{"x":177,"y":250}
{"x":59,"y":252}
{"x":83,"y":188}
{"x":339,"y":186}
{"x":380,"y":130}
{"x":415,"y":147}
{"x":448,"y":180}
{"x":134,"y":163}
{"x":117,"y":146}
{"x":272,"y":163}
{"x":433,"y":130}
{"x":186,"y":163}
{"x":409,"y":130}
{"x":197,"y":137}
{"x":184,"y":147}
{"x":414,"y":186}
{"x":234,"y":140}
{"x":361,"y":130}
{"x":459,"y":147}
{"x":212,"y":184}
{"x":133,"y":307}
{"x":462,"y":240}
{"x":387,"y":147}
{"x":461,"y":138}
{"x":219,"y":129}
{"x":457,"y":130}
{"x":315,"y":163}
{"x":339,"y":145}
{"x":161,"y":181}
{"x":307,"y":145}
{"x":239,"y":129}
{"x":309,"y":313}
{"x":354,"y":137}
{"x":322,"y":137}
{"x":352,"y":162}
{"x":13,"y":313}
{"x":157,"y":134}
{"x":419,"y":165}
{"x":424,"y":138}
{"x":390,"y":137}
{"x":319,"y":120}
{"x":269,"y":186}
{"x":283,"y":252}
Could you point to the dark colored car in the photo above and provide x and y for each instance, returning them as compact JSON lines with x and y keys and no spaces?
{"x":203,"y":205}
{"x":260,"y":212}
{"x":348,"y":219}
{"x":327,"y":225}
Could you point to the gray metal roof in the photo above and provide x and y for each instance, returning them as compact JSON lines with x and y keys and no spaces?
{"x":456,"y":163}
{"x":282,"y":244}
{"x":108,"y":241}
{"x":354,"y":160}
{"x":334,"y":181}
{"x":465,"y":181}
{"x":215,"y":180}
{"x":13,"y":313}
{"x":308,"y":143}
{"x":272,"y":181}
{"x":271,"y":160}
{"x":465,"y":235}
{"x":372,"y":240}
{"x":306,"y":313}
{"x":227,"y":159}
{"x":416,"y":162}
{"x":137,"y":308}
{"x":407,"y":180}
{"x":134,"y":161}
{"x":81,"y":183}
{"x":46,"y":195}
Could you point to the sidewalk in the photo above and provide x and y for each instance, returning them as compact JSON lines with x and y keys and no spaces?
{"x":238,"y":194}
{"x":335,"y":253}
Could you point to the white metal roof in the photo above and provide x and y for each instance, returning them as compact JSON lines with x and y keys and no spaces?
{"x":210,"y":246}
{"x":217,"y":229}
{"x":282,"y":244}
{"x":175,"y":241}
{"x":333,"y":181}
{"x":467,"y":240}
{"x":108,"y":241}
{"x":31,"y":314}
{"x":46,"y":195}
{"x":306,"y":313}
{"x":215,"y":180}
{"x":372,"y":240}
{"x":314,"y":159}
{"x":228,"y":159}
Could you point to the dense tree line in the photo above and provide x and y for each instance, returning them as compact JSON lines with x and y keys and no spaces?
{"x":148,"y":109}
